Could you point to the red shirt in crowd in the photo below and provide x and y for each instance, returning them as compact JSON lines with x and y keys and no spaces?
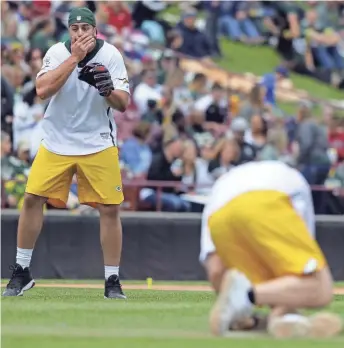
{"x":336,"y":140}
{"x":120,"y":20}
{"x":41,"y":7}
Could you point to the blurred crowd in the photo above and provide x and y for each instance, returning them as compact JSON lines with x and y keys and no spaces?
{"x":180,"y":127}
{"x":308,"y":36}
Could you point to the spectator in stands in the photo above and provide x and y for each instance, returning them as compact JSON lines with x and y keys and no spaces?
{"x":167,"y":104}
{"x":154,"y":114}
{"x":42,"y":35}
{"x":214,"y":108}
{"x":147,"y":90}
{"x":227,"y":158}
{"x":276,"y":147}
{"x":29,"y":112}
{"x":257,"y":134}
{"x":104,"y":29}
{"x":166,"y":66}
{"x":23,"y":152}
{"x":313,"y":160}
{"x":195,"y":43}
{"x":180,"y":123}
{"x":198,"y":86}
{"x":254,"y":105}
{"x":34,"y":60}
{"x":167,"y":166}
{"x":236,"y":23}
{"x":11,"y":166}
{"x":147,"y":63}
{"x":195,"y":169}
{"x":328,"y":13}
{"x":270,"y":82}
{"x":189,"y":171}
{"x":174,"y":40}
{"x":202,"y":137}
{"x":119,"y":16}
{"x":323,"y":43}
{"x":7,"y":103}
{"x":182,"y":97}
{"x":135,"y":153}
{"x":336,"y":137}
{"x":145,"y":17}
{"x":9,"y":24}
{"x":213,"y":10}
{"x":248,"y":153}
{"x":17,"y":58}
{"x":283,"y":23}
{"x":6,"y":148}
{"x":339,"y":174}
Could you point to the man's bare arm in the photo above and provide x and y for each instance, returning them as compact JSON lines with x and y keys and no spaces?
{"x":118,"y":100}
{"x":51,"y":82}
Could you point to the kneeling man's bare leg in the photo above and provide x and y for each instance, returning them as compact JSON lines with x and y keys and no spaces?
{"x":309,"y":291}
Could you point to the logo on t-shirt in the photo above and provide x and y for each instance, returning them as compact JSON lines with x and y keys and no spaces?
{"x":105,"y":136}
{"x":46,"y":62}
{"x":124,"y":82}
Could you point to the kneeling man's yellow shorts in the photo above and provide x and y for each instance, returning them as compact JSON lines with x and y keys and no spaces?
{"x":98,"y":176}
{"x":261,"y":234}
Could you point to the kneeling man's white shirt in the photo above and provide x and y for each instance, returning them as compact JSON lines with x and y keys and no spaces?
{"x":257,"y":176}
{"x":78,"y":120}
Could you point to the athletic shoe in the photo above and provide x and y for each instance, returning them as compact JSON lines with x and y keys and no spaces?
{"x":289,"y":326}
{"x":232,"y":303}
{"x":113,"y":288}
{"x":20,"y":281}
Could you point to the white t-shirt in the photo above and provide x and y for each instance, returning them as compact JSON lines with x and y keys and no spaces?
{"x":78,"y":120}
{"x":203,"y":103}
{"x":143,"y":93}
{"x":253,"y":176}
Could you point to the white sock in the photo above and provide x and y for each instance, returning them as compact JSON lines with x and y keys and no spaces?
{"x":24,"y":257}
{"x":111,"y":270}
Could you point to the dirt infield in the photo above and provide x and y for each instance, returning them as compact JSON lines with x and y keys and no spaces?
{"x":337,"y":291}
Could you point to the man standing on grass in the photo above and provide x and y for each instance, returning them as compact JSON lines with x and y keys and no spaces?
{"x":84,"y":77}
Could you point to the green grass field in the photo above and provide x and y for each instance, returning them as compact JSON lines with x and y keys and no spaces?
{"x":68,"y":317}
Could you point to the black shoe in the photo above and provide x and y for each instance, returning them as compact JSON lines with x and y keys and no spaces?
{"x":113,"y":288}
{"x":20,"y":281}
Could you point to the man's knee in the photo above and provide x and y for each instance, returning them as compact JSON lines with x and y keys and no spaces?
{"x":323,"y":289}
{"x":109,"y":210}
{"x":33,"y":201}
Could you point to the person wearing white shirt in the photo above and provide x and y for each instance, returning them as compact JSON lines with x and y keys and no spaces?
{"x":258,"y":229}
{"x":147,"y":90}
{"x":78,"y":137}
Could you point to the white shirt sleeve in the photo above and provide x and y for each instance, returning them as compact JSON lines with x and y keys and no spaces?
{"x":118,"y":72}
{"x":207,"y":245}
{"x":203,"y":103}
{"x":303,"y":204}
{"x":51,"y":60}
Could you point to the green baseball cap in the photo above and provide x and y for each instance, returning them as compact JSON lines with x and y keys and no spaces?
{"x":81,"y":15}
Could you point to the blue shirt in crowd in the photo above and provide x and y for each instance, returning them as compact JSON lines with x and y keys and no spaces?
{"x":136,"y":156}
{"x":269,"y":82}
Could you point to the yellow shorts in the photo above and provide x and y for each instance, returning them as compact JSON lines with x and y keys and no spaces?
{"x":260,"y":234}
{"x":98,"y":177}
